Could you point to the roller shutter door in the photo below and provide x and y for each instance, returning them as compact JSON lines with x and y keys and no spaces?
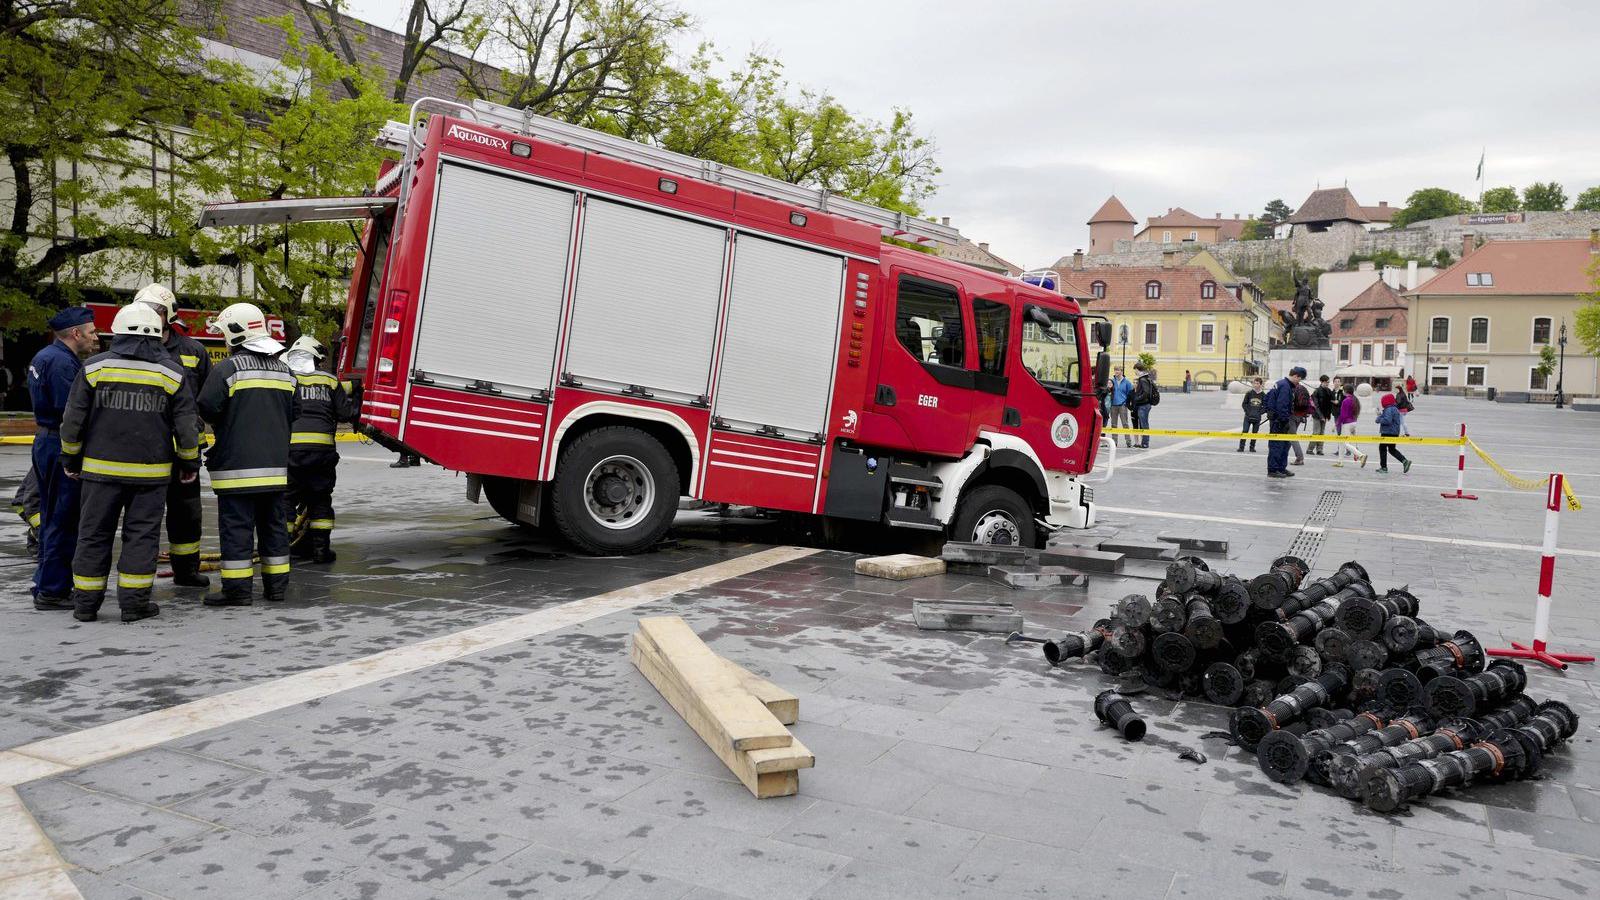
{"x":779,"y":353}
{"x":491,"y":304}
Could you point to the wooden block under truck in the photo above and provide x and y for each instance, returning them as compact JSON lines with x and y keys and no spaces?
{"x":591,"y":328}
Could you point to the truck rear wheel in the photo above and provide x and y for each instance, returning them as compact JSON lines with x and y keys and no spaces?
{"x":501,"y":494}
{"x":616,"y":491}
{"x":992,"y":514}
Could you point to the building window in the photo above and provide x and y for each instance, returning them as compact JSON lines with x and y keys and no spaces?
{"x":1439,"y":376}
{"x":1538,"y":381}
{"x":1475,"y":376}
{"x":1152,"y":335}
{"x":1194,"y":235}
{"x":1366,"y":353}
{"x":1388,"y":353}
{"x":1480,"y":279}
{"x":1480,"y":330}
{"x":1541,"y":330}
{"x":1166,"y":237}
{"x":1152,"y":290}
{"x":1207,"y":336}
{"x":1346,"y":324}
{"x":1472,"y":279}
{"x":1098,"y":289}
{"x":1344,"y":353}
{"x":1382,"y":323}
{"x":1441,"y":331}
{"x":1208,"y":290}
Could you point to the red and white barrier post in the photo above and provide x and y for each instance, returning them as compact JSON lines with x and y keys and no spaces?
{"x":1461,"y":471}
{"x":1547,"y":576}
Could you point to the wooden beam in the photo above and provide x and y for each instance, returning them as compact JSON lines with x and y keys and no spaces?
{"x":784,"y":706}
{"x":744,"y":723}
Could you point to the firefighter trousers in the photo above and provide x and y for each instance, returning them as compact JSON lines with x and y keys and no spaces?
{"x":58,"y":527}
{"x":183,"y":525}
{"x":248,"y":523}
{"x":311,"y":495}
{"x":102,"y":504}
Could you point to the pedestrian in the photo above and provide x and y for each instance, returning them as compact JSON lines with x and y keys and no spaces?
{"x":1389,"y":425}
{"x":129,"y":419}
{"x":313,"y":454}
{"x":1402,"y":402}
{"x":249,"y":399}
{"x":1146,"y":393}
{"x":1120,"y":395}
{"x":1280,"y":420}
{"x":1345,"y":423}
{"x":1411,"y":384}
{"x":183,"y":496}
{"x":1255,"y":406}
{"x":50,"y":378}
{"x":1302,"y":411}
{"x":1188,"y":381}
{"x":1323,"y":401}
{"x":25,"y":503}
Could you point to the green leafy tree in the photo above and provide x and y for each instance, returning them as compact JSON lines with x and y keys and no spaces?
{"x":1276,"y":211}
{"x":1586,"y":326}
{"x":1442,"y":258}
{"x":1255,"y":230}
{"x":1430,"y":203}
{"x":1501,"y":199}
{"x":1547,"y":361}
{"x":1589,"y":200}
{"x":1544,"y":196}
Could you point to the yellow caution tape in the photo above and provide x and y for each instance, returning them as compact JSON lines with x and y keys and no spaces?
{"x":1526,"y":484}
{"x":1327,"y":438}
{"x":205,"y":440}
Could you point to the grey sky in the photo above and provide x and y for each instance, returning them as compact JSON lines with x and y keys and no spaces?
{"x":1041,"y":109}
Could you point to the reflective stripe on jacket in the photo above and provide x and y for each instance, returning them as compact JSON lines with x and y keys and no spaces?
{"x":249,"y":399}
{"x":130,"y":416}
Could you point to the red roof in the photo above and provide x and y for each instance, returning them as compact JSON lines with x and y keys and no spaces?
{"x":1112,"y":211}
{"x":1329,"y":205}
{"x":1519,"y":268}
{"x":1377,"y":312}
{"x":1180,"y":289}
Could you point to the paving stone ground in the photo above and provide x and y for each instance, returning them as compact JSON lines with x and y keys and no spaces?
{"x":948,"y":763}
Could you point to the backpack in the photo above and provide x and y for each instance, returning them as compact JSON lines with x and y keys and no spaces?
{"x":1152,"y":394}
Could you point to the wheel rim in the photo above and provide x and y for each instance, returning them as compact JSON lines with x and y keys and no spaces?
{"x":619,"y":492}
{"x":997,"y":527}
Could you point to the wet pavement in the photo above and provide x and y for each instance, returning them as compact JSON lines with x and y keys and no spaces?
{"x":948,"y":763}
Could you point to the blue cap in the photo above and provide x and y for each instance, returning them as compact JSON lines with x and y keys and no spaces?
{"x":1298,"y":370}
{"x":70,"y":317}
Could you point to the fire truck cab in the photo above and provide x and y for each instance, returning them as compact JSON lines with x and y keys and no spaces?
{"x":592,"y":328}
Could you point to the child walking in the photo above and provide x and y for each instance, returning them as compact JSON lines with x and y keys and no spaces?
{"x":1389,"y":425}
{"x":1345,"y":423}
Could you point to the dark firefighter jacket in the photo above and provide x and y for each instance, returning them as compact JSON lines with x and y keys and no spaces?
{"x":323,"y":405}
{"x":129,"y":416}
{"x":249,"y":399}
{"x":192,"y":356}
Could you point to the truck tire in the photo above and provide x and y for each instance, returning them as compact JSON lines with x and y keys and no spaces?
{"x":501,"y":495}
{"x":616,"y":491}
{"x":992,"y":514}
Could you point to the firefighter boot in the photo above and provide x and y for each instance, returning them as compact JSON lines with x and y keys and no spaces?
{"x":321,"y":551}
{"x":133,"y":615}
{"x":186,"y":571}
{"x":86,"y":604}
{"x":236,"y":576}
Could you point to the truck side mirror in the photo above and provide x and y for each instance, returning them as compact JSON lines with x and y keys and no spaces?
{"x":1102,"y":334}
{"x":1102,"y":368}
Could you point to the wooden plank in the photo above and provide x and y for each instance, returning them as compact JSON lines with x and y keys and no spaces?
{"x":744,"y":765}
{"x":784,"y":706}
{"x":745,"y":723}
{"x":772,"y":759}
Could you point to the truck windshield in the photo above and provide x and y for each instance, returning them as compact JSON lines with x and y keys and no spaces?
{"x":1050,"y":351}
{"x":369,"y":309}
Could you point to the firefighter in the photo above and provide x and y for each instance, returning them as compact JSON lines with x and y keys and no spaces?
{"x":249,"y":399}
{"x":25,"y":503}
{"x":183,"y":496}
{"x":129,"y":418}
{"x":50,"y":378}
{"x":313,"y":455}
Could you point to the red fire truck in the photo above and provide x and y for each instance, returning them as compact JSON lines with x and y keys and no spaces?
{"x":591,"y":328}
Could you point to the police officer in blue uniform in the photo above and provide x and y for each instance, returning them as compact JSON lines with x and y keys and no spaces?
{"x":50,"y":378}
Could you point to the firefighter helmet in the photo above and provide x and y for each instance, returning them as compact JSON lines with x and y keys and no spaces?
{"x":137,"y":319}
{"x":161,"y":299}
{"x":308,"y":344}
{"x":241,"y":322}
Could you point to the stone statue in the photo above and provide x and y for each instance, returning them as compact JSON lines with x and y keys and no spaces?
{"x":1306,"y":329}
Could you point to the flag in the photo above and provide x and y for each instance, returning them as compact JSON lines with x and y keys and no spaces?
{"x":1479,"y":176}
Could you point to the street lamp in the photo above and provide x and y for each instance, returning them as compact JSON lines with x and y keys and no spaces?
{"x":1561,"y":341}
{"x":1225,"y":356}
{"x":1122,"y":333}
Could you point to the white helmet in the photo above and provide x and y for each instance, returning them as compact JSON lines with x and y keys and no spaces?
{"x":137,"y":319}
{"x":157,"y":296}
{"x":241,"y":322}
{"x":308,"y":344}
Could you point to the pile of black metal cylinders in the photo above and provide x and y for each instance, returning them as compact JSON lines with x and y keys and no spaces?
{"x":1448,"y":695}
{"x":1251,"y":724}
{"x":1349,"y":767}
{"x":1287,"y":757}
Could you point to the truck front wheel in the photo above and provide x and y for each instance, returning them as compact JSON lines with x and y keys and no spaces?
{"x":992,"y":514}
{"x":616,"y":491}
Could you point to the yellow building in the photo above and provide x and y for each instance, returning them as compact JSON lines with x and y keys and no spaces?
{"x":1196,"y":317}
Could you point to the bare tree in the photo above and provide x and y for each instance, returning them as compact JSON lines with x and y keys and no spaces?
{"x":430,"y":30}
